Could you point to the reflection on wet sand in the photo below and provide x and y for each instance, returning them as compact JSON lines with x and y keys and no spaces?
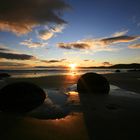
{"x":69,"y":128}
{"x":73,"y":98}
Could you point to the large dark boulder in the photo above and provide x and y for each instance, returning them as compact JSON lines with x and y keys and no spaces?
{"x":21,"y":97}
{"x":93,"y":83}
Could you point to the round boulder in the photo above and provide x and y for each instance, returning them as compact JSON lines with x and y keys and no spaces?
{"x":93,"y":83}
{"x":21,"y":97}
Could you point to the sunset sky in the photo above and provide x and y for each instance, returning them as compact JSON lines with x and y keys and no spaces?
{"x":57,"y":33}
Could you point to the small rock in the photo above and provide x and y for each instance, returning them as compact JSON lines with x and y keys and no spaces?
{"x":4,"y":75}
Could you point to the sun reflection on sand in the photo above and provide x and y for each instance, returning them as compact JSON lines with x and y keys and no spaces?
{"x":73,"y":93}
{"x":70,"y":127}
{"x":73,"y":73}
{"x":72,"y":77}
{"x":73,"y":98}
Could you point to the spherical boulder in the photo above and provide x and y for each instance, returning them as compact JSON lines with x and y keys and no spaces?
{"x":93,"y":83}
{"x":21,"y":97}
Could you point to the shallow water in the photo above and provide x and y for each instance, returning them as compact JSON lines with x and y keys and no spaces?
{"x":55,"y":71}
{"x":60,"y":103}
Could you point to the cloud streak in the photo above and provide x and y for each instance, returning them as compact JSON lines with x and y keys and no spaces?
{"x":6,"y":53}
{"x":11,"y":64}
{"x":53,"y":61}
{"x":121,"y":33}
{"x":135,"y":46}
{"x":119,"y":39}
{"x":29,"y":43}
{"x":97,"y":44}
{"x":106,"y":64}
{"x":20,"y":17}
{"x":3,"y":48}
{"x":74,"y":45}
{"x":16,"y":56}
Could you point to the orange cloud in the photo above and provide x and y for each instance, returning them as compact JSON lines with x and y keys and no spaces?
{"x":135,"y":46}
{"x":106,"y":63}
{"x":121,"y":33}
{"x":97,"y":44}
{"x":74,"y":45}
{"x":45,"y":35}
{"x":53,"y":61}
{"x":119,"y":39}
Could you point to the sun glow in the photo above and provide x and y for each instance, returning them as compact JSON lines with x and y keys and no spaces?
{"x":72,"y":66}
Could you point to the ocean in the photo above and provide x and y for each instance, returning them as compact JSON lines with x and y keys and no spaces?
{"x":26,"y":73}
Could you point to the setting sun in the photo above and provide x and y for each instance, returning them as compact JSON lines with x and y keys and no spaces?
{"x":72,"y":66}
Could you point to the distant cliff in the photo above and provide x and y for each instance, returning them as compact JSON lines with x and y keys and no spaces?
{"x":121,"y":66}
{"x":126,"y":66}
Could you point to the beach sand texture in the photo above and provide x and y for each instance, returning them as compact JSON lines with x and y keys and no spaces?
{"x":109,"y":117}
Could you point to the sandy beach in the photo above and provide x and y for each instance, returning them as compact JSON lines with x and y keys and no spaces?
{"x":129,"y":81}
{"x":114,"y":116}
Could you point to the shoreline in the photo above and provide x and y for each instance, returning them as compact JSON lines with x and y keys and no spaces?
{"x":128,"y":81}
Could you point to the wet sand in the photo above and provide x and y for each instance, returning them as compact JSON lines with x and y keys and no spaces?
{"x":23,"y":128}
{"x":114,"y":116}
{"x":36,"y":125}
{"x":111,"y":117}
{"x":129,"y":81}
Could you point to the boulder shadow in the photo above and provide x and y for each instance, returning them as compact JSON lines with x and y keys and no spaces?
{"x":104,"y":116}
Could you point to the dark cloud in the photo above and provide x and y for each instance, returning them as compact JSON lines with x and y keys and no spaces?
{"x":21,"y":16}
{"x":106,"y":63}
{"x":3,"y":49}
{"x":118,"y":39}
{"x":11,"y":54}
{"x":53,"y":61}
{"x":16,"y":56}
{"x":86,"y":60}
{"x":12,"y":64}
{"x":75,"y":45}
